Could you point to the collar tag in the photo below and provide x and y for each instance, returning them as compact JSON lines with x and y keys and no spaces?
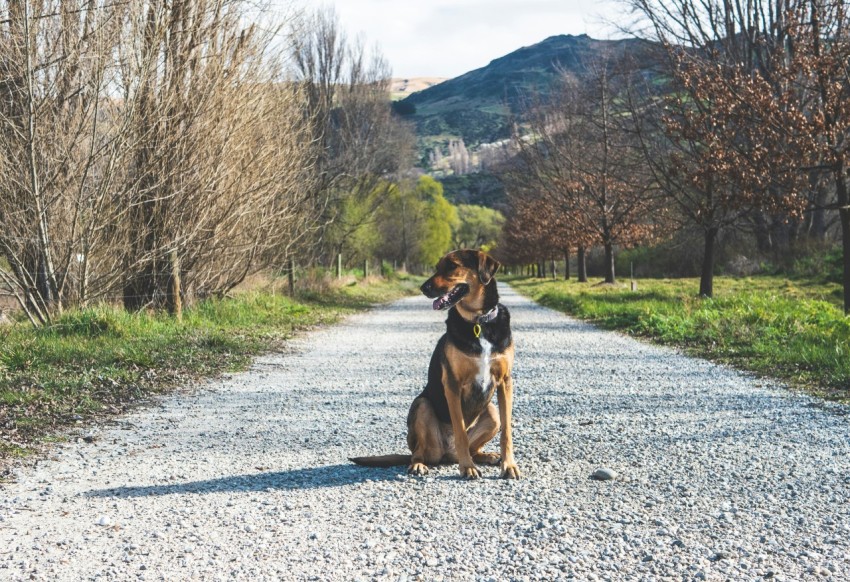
{"x":476,"y":329}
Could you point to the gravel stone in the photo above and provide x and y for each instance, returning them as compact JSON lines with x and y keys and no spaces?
{"x":604,"y":474}
{"x":250,"y":471}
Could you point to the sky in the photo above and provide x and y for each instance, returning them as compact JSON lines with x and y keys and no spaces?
{"x":446,"y":38}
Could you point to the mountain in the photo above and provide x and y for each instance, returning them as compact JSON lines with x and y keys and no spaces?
{"x":476,"y":105}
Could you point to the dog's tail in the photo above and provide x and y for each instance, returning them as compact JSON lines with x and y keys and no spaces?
{"x":382,"y":460}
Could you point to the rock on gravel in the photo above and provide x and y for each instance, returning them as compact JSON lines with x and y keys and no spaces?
{"x":248,"y":478}
{"x":604,"y":474}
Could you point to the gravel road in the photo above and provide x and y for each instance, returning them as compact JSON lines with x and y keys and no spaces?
{"x":716,"y":475}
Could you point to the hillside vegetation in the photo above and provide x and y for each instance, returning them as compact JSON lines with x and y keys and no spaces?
{"x":476,"y":106}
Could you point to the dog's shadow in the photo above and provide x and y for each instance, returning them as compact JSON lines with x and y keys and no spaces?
{"x":295,"y":479}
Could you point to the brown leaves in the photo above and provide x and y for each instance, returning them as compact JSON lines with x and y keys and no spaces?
{"x":582,"y":180}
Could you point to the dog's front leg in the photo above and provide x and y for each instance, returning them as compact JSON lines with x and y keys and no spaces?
{"x":465,"y":463}
{"x":505,"y":393}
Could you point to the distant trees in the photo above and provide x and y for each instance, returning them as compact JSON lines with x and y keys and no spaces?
{"x":459,"y":157}
{"x":536,"y":230}
{"x":416,"y":223}
{"x":581,"y":178}
{"x":458,"y":160}
{"x":357,"y":143}
{"x":479,"y":227}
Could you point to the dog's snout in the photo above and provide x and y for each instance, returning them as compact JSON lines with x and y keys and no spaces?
{"x":427,"y":288}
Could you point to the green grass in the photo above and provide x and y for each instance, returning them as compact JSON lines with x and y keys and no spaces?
{"x":100,"y":361}
{"x":792,"y":330}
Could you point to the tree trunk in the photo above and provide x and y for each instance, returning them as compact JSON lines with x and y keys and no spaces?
{"x":706,"y":281}
{"x":582,"y":265}
{"x":566,"y":264}
{"x":141,"y":264}
{"x":552,"y":269}
{"x":844,"y":215}
{"x":542,"y":269}
{"x":46,"y":285}
{"x":762,"y":233}
{"x":843,"y":199}
{"x":817,"y":217}
{"x":609,"y":264}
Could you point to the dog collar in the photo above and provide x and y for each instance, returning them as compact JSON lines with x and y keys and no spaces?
{"x":486,"y":318}
{"x":489,"y":316}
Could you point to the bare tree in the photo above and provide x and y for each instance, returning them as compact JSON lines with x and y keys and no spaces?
{"x":215,"y":152}
{"x":150,"y":149}
{"x":61,"y":146}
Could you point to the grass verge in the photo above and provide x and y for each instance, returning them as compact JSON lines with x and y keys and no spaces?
{"x":101,"y":361}
{"x":792,"y":330}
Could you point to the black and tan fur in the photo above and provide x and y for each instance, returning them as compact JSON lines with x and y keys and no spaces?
{"x":453,"y":418}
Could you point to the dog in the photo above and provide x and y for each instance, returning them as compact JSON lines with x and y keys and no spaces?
{"x":453,"y":418}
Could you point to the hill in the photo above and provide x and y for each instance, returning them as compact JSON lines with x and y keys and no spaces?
{"x":476,"y":106}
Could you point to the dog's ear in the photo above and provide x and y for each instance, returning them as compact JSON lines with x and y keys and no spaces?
{"x":487,"y":267}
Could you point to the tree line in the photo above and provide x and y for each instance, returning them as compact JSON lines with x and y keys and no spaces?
{"x":156,"y":153}
{"x":743,"y":124}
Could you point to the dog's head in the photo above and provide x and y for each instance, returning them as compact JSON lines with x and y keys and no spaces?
{"x":461,"y":277}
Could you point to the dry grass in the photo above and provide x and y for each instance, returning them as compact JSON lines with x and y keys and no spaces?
{"x":401,"y":88}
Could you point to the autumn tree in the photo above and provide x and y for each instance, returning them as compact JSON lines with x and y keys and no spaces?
{"x":580,"y":152}
{"x":769,"y":86}
{"x":535,"y":230}
{"x":686,"y":136}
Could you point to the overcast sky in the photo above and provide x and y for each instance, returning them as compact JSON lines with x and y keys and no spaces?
{"x":446,"y":38}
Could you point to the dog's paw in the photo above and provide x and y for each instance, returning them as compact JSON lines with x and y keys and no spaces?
{"x":491,"y":459}
{"x":510,"y":471}
{"x":470,"y":472}
{"x":417,"y":469}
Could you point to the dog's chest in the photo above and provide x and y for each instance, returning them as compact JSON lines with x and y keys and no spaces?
{"x":483,"y":377}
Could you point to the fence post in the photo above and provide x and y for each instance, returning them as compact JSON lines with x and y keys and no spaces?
{"x":291,"y":277}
